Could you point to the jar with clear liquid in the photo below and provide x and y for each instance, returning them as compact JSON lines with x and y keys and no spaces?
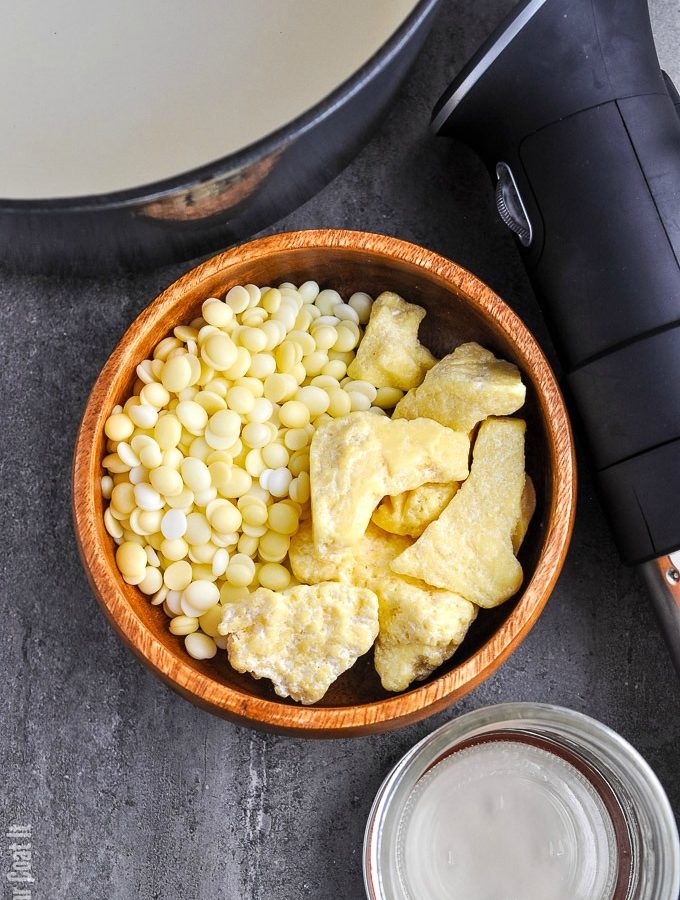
{"x":522,"y":802}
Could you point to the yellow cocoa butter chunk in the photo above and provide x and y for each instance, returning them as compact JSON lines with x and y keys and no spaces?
{"x":465,"y":388}
{"x":527,"y":508}
{"x":359,"y":459}
{"x":410,"y":513}
{"x":390,"y":354}
{"x":302,"y":638}
{"x":420,"y":626}
{"x":469,"y":548}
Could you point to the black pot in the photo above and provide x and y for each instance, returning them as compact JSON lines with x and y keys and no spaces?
{"x":219,"y":204}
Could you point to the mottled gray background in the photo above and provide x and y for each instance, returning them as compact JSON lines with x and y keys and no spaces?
{"x":131,"y":791}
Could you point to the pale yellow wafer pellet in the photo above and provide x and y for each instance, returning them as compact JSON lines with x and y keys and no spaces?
{"x":219,"y":351}
{"x":362,"y":303}
{"x":340,"y":403}
{"x":195,"y":473}
{"x":255,"y":434}
{"x":294,"y":414}
{"x":224,"y":541}
{"x":262,"y":365}
{"x":119,"y":427}
{"x":274,"y":576}
{"x":347,"y":338}
{"x":286,"y":356}
{"x":210,"y":402}
{"x":300,"y":488}
{"x":335,"y":368}
{"x":168,"y":431}
{"x":240,"y":400}
{"x":325,"y":337}
{"x":176,"y":375}
{"x":240,"y":365}
{"x":152,"y":556}
{"x":154,"y":394}
{"x":223,"y":516}
{"x":178,"y":575}
{"x":363,"y":387}
{"x":123,"y":498}
{"x":182,"y":501}
{"x":149,"y":520}
{"x":299,"y":462}
{"x":387,"y":397}
{"x":202,"y":553}
{"x":314,"y":398}
{"x":309,"y":291}
{"x":240,"y":570}
{"x":231,"y":594}
{"x":200,"y":646}
{"x":254,"y":464}
{"x":254,"y":512}
{"x":271,"y":300}
{"x":172,"y":604}
{"x":219,"y":471}
{"x":252,"y":339}
{"x":152,"y":581}
{"x":305,"y":341}
{"x":326,"y":300}
{"x":359,"y":402}
{"x":237,"y":484}
{"x":273,"y":546}
{"x":202,"y":573}
{"x":166,"y":481}
{"x":143,"y":415}
{"x":296,"y":439}
{"x":165,"y":347}
{"x":151,"y":455}
{"x":210,"y":620}
{"x":247,"y":544}
{"x":217,"y":313}
{"x":282,"y":519}
{"x":327,"y":382}
{"x":174,"y":550}
{"x":114,"y":464}
{"x":192,"y":416}
{"x":201,"y":594}
{"x":225,"y":424}
{"x":172,"y":457}
{"x":198,"y":529}
{"x":262,"y":411}
{"x":314,"y":363}
{"x":131,"y":559}
{"x":254,"y":294}
{"x":159,"y":597}
{"x":275,"y":455}
{"x":238,"y":299}
{"x":345,"y":358}
{"x":183,"y":625}
{"x":112,"y":525}
{"x":280,"y":387}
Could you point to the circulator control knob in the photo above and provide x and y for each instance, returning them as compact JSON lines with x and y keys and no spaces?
{"x":510,"y":205}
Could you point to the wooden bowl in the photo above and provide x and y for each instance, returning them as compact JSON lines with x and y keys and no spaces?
{"x":460,"y":308}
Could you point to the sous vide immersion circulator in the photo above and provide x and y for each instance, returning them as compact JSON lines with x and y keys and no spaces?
{"x":568,"y":107}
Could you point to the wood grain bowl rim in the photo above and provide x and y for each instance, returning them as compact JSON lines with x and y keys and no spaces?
{"x":381,"y":715}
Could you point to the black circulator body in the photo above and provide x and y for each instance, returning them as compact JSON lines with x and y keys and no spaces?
{"x":568,"y":107}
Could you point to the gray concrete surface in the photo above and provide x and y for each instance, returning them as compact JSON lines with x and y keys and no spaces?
{"x":131,"y":791}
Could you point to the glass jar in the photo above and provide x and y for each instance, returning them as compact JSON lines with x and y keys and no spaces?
{"x":517,"y":801}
